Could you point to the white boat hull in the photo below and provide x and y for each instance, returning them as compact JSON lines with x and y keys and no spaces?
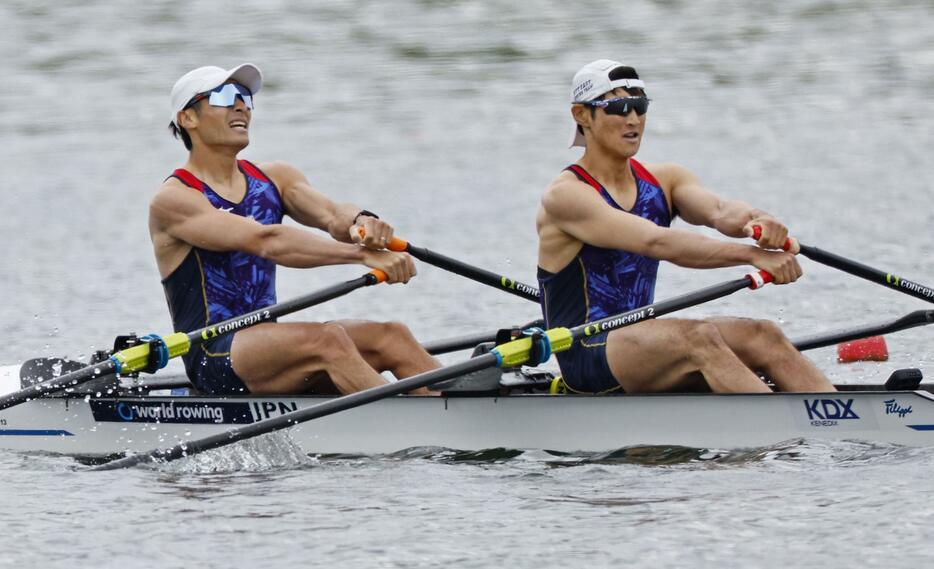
{"x":104,"y":427}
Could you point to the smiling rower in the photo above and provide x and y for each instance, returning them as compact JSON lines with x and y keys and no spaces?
{"x":216,"y":230}
{"x":603,"y":226}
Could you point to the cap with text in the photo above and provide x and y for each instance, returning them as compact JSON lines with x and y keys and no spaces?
{"x":204,"y":79}
{"x":595,"y":79}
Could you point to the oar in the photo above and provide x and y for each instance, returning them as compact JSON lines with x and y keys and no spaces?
{"x":482,"y":276}
{"x":910,"y":320}
{"x":855,"y":268}
{"x":140,"y":357}
{"x":509,"y":354}
{"x":448,"y":345}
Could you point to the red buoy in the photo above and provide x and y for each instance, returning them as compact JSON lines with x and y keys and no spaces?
{"x":865,"y":350}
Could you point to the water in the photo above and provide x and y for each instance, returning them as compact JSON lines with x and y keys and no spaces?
{"x":448,"y":118}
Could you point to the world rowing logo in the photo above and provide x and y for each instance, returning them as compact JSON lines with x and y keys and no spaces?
{"x":135,"y":411}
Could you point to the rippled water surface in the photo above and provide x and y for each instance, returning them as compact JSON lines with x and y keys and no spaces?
{"x":448,"y":118}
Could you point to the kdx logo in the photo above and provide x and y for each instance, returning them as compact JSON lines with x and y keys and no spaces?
{"x":826,"y":412}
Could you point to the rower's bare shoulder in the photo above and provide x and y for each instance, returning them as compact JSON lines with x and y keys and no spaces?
{"x":566,"y":197}
{"x":174,"y":200}
{"x":280,"y":170}
{"x":168,"y":193}
{"x":562,"y":187}
{"x":283,"y":174}
{"x":671,"y":175}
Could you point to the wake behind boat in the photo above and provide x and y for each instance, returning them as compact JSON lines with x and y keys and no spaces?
{"x":490,"y":409}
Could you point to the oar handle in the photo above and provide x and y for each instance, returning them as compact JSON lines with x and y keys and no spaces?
{"x":855,"y":268}
{"x":759,"y":279}
{"x":791,"y":244}
{"x":395,"y":244}
{"x":376,"y":276}
{"x":477,"y":274}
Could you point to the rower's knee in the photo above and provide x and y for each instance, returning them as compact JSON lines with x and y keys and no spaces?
{"x":328,"y":342}
{"x":765,"y":330}
{"x":704,"y":341}
{"x":768,"y":341}
{"x":392,"y":335}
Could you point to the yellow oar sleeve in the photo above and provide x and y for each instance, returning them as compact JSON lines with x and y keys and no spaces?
{"x":136,"y":358}
{"x":518,"y":351}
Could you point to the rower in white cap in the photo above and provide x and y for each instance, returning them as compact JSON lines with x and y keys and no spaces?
{"x":217,"y":233}
{"x":603,"y":226}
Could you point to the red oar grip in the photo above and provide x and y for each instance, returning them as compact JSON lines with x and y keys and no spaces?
{"x":791,"y":244}
{"x":759,"y":279}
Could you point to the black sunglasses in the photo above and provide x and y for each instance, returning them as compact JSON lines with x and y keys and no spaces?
{"x":622,"y":105}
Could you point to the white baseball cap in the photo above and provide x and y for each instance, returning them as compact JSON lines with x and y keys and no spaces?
{"x":204,"y":79}
{"x":595,"y":79}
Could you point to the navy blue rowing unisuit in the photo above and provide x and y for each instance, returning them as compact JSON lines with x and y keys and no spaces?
{"x":602,"y":282}
{"x":212,"y":286}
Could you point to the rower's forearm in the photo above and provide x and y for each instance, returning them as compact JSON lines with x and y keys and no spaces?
{"x":733,"y":216}
{"x":297,"y":248}
{"x":688,"y":249}
{"x":340,"y":225}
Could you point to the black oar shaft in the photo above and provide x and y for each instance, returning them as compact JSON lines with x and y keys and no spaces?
{"x":180,"y":345}
{"x":870,"y":274}
{"x":448,"y":345}
{"x":78,"y":377}
{"x":911,"y":320}
{"x":270,"y":313}
{"x":469,"y":341}
{"x":295,"y":417}
{"x":662,"y":307}
{"x":477,"y":274}
{"x":855,"y":268}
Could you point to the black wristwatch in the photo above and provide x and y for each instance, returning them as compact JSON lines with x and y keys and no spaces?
{"x":366,"y":213}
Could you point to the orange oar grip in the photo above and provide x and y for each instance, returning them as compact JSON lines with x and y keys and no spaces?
{"x":791,"y":244}
{"x":380,"y":275}
{"x":395,"y":244}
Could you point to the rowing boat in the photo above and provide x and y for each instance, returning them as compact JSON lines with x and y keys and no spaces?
{"x":516,"y":411}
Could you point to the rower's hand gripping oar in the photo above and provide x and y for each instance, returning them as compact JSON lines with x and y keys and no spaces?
{"x":855,"y":268}
{"x":157,"y":351}
{"x":482,"y":276}
{"x":538,"y":344}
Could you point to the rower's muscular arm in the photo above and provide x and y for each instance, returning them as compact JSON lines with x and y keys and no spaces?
{"x":186,"y":215}
{"x":699,"y":206}
{"x":576,"y":210}
{"x":310,"y":207}
{"x":179,"y":215}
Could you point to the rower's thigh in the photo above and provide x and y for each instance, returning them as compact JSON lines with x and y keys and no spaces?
{"x":660,"y":355}
{"x":369,"y":335}
{"x":287,"y":351}
{"x":753,"y":341}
